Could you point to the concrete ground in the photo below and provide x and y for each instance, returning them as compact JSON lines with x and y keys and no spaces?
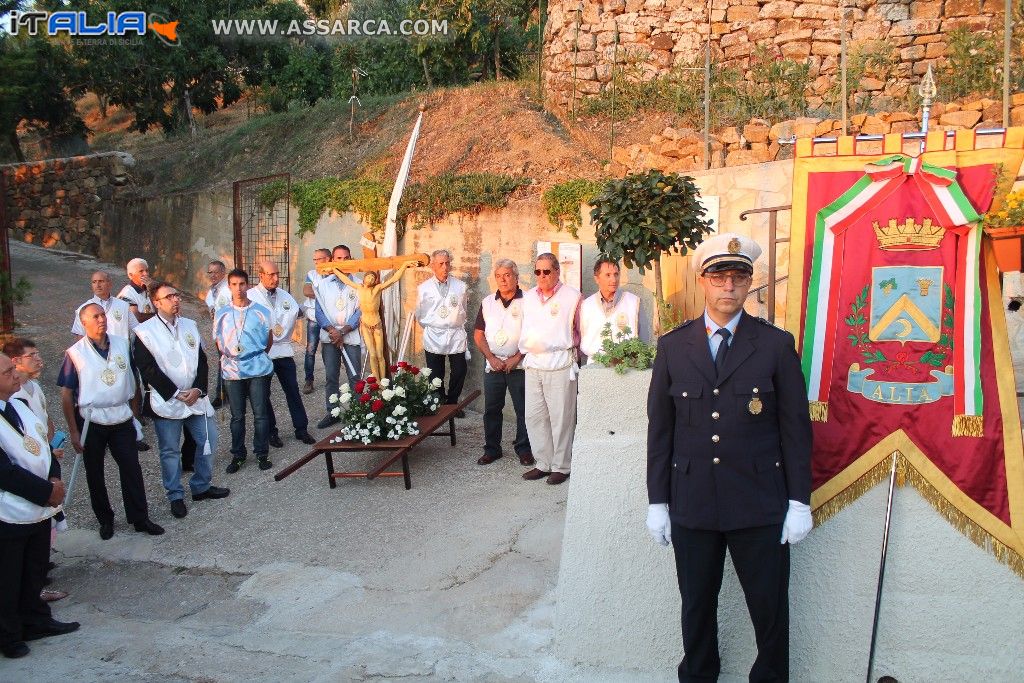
{"x":292,"y":581}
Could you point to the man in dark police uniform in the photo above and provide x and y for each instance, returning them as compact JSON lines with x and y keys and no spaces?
{"x":728,"y":461}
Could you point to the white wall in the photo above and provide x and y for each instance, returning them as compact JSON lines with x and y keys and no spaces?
{"x":950,"y":611}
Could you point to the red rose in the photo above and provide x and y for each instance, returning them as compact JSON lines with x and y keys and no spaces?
{"x":394,"y":368}
{"x":402,"y":364}
{"x":365,"y":398}
{"x":414,"y":370}
{"x":371,"y":379}
{"x":376,"y":405}
{"x":360,"y":385}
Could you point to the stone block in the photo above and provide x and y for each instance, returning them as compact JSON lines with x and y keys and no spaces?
{"x":796,"y":50}
{"x":662,"y":41}
{"x":975,"y":23}
{"x":870,"y":84}
{"x":803,"y":34}
{"x":961,"y":8}
{"x":825,"y":127}
{"x":729,"y":135}
{"x":824,"y":49}
{"x":926,"y":9}
{"x":904,"y":127}
{"x":742,"y":13}
{"x":927,"y":38}
{"x":1017,"y":116}
{"x":742,"y":157}
{"x":1017,"y":99}
{"x":936,"y":49}
{"x":756,"y":131}
{"x":891,"y":11}
{"x":762,"y":30}
{"x":993,"y":112}
{"x":805,"y":126}
{"x":780,"y":9}
{"x":733,"y":38}
{"x":960,"y":119}
{"x":914,"y":27}
{"x":823,"y":12}
{"x":978,"y":105}
{"x":874,"y":125}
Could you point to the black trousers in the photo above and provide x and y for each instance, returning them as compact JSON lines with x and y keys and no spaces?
{"x":286,"y":372}
{"x":23,"y":557}
{"x":495,"y":386}
{"x":457,"y":364}
{"x":762,"y":566}
{"x":120,"y":438}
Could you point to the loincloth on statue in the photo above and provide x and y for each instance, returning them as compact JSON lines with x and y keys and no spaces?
{"x":368,"y":328}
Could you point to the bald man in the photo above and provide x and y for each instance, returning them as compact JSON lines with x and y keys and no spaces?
{"x":120,"y":320}
{"x":284,"y":310}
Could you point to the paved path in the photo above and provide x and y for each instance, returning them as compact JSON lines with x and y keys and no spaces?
{"x":291,"y":581}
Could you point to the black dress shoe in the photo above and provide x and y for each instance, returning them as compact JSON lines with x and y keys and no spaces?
{"x":216,"y":402}
{"x":234,"y":465}
{"x":275,"y":441}
{"x":305,"y":437}
{"x":213,"y":492}
{"x":106,"y":530}
{"x":142,"y":446}
{"x":149,"y":526}
{"x":14,"y":650}
{"x":178,"y":508}
{"x":328,"y":421}
{"x":265,"y":464}
{"x":49,"y":628}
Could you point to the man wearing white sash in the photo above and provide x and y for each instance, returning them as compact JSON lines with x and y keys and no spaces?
{"x":284,"y":311}
{"x":243,"y":335}
{"x":441,"y":312}
{"x":550,"y":339}
{"x":31,"y":493}
{"x":120,"y":320}
{"x":134,"y":293}
{"x":99,"y":397}
{"x":172,"y":362}
{"x":609,"y":305}
{"x":496,"y":334}
{"x":309,"y":312}
{"x":217,"y":296}
{"x":338,"y":314}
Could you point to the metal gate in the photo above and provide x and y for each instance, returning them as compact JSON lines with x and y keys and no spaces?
{"x":261,"y":231}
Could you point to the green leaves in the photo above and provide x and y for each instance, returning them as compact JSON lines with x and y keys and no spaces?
{"x":931,"y":358}
{"x":874,"y":357}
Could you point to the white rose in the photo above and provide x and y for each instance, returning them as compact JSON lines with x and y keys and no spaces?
{"x":387,"y":394}
{"x":366,"y":439}
{"x":390,"y":420}
{"x":345,"y":388}
{"x":333,"y":398}
{"x":425,"y":372}
{"x":385,"y":382}
{"x":436,"y":382}
{"x":345,"y":398}
{"x":336,"y":412}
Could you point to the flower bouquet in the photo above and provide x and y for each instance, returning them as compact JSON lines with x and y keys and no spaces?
{"x":386,"y":408}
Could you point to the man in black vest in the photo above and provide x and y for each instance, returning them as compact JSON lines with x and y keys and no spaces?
{"x":728,"y":461}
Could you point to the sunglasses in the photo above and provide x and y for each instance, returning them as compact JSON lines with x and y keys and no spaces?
{"x":542,"y":271}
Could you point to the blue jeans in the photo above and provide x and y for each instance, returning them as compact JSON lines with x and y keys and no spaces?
{"x":168,"y":434}
{"x":256,"y":390}
{"x":332,"y":366}
{"x":312,"y":341}
{"x":285,"y":370}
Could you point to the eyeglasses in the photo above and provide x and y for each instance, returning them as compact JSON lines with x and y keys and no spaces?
{"x":175,"y":295}
{"x":542,"y":271}
{"x":213,"y":273}
{"x":738,"y":279}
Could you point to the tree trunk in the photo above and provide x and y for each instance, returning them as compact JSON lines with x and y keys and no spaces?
{"x":426,"y":73}
{"x":497,"y":57}
{"x":659,"y":297}
{"x":103,"y":106}
{"x":12,"y":138}
{"x":186,"y":112}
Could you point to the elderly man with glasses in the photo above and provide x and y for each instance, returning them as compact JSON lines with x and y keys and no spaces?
{"x":729,"y":461}
{"x":550,"y":341}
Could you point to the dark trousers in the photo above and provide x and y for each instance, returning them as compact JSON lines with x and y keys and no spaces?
{"x":312,"y":341}
{"x":254,"y":390}
{"x":23,"y":557}
{"x":457,"y":364}
{"x":762,"y":566}
{"x":188,"y":451}
{"x":495,"y":386}
{"x":120,"y":439}
{"x":285,"y":370}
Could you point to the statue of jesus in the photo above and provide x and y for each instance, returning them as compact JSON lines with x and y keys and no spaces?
{"x":369,"y":306}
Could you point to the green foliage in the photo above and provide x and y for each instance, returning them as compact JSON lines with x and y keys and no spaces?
{"x":15,"y":293}
{"x":973,"y":60}
{"x":562,"y":202}
{"x":644,"y":215}
{"x":875,"y":59}
{"x":669,"y":316}
{"x":433,"y":199}
{"x":624,"y":354}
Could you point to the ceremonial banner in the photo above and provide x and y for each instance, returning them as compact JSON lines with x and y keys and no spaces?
{"x":901,"y":330}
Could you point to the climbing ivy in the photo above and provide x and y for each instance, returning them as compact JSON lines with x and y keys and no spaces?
{"x":562,"y":202}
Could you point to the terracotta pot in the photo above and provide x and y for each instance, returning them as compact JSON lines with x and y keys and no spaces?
{"x":1008,"y":247}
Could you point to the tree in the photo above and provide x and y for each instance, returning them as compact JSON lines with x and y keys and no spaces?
{"x":645,"y":215}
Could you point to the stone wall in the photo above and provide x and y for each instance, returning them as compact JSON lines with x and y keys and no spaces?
{"x":60,"y":202}
{"x":660,"y":34}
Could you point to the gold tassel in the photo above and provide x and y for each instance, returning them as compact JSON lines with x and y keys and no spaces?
{"x":967,"y":526}
{"x":819,"y":411}
{"x":832,"y":507}
{"x":968,"y":425}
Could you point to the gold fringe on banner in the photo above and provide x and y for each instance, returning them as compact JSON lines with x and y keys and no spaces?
{"x":873,"y":476}
{"x":819,"y":411}
{"x":968,"y":425}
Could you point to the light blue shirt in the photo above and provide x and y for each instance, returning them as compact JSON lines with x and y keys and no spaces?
{"x":241,"y":334}
{"x":715,"y":339}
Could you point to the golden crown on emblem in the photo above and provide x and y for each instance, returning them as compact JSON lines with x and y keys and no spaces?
{"x":908,"y":235}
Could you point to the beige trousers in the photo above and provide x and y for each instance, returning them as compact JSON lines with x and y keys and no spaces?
{"x":551,"y":417}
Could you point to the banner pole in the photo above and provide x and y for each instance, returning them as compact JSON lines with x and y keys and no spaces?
{"x":881,"y":566}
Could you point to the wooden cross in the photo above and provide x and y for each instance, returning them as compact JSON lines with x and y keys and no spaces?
{"x":367,"y":265}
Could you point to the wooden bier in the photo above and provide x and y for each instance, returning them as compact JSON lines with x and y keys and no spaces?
{"x":367,"y":265}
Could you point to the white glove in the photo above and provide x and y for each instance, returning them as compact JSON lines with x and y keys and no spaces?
{"x":658,"y":523}
{"x":798,"y":523}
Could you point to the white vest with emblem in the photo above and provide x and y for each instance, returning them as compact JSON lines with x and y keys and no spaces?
{"x":284,"y":310}
{"x":178,"y":359}
{"x":309,"y":304}
{"x":502,"y":326}
{"x":546,"y":338}
{"x":339,"y":302}
{"x":593,"y":318}
{"x":443,"y":318}
{"x":104,"y":385}
{"x":33,"y":395}
{"x":218,"y":296}
{"x":15,"y":509}
{"x":120,"y":320}
{"x":140,"y":299}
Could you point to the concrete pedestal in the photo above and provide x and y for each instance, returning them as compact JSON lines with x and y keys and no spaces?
{"x":950,"y":611}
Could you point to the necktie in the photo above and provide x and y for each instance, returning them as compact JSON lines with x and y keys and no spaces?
{"x":723,"y":349}
{"x":11,"y":415}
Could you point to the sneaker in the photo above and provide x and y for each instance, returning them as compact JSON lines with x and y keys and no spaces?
{"x":328,"y":421}
{"x":212,"y":493}
{"x":234,"y":465}
{"x":307,"y":388}
{"x":178,"y":508}
{"x":275,"y":441}
{"x":265,"y":464}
